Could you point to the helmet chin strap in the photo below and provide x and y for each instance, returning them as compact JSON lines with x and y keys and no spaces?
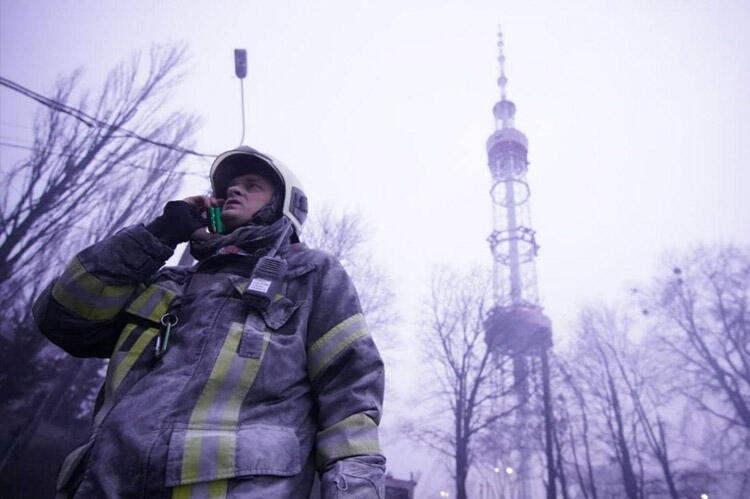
{"x":283,"y":236}
{"x":269,"y":213}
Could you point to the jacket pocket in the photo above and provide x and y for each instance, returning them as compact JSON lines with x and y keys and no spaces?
{"x":279,"y":312}
{"x":205,"y":454}
{"x":276,"y":314}
{"x":355,"y":477}
{"x":283,"y":306}
{"x":253,"y":341}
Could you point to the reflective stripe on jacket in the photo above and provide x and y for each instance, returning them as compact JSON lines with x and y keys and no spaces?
{"x":244,"y":402}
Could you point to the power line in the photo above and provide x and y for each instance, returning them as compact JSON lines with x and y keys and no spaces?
{"x":15,"y":125}
{"x":124,"y":163}
{"x":91,"y":121}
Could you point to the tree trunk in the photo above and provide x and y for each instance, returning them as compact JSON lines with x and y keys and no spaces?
{"x":461,"y":469}
{"x":548,"y":429}
{"x":628,"y":475}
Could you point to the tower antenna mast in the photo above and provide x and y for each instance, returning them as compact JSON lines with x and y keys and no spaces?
{"x":516,"y":327}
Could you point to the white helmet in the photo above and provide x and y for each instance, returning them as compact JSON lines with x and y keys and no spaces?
{"x":245,"y":159}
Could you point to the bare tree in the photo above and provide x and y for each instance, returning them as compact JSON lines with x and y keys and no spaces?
{"x":700,"y":310}
{"x":99,"y":161}
{"x":703,"y":305}
{"x":344,"y":235}
{"x":619,"y":405}
{"x":473,"y":386}
{"x":559,"y":450}
{"x":644,"y":391}
{"x":109,"y":161}
{"x":575,"y":429}
{"x":601,"y":398}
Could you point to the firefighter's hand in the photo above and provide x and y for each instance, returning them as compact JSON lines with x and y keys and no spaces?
{"x":203,"y":203}
{"x":179,"y":221}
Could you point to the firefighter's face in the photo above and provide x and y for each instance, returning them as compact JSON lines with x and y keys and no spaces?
{"x":246,"y":195}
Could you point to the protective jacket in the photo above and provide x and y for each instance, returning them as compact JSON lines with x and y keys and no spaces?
{"x":245,"y":400}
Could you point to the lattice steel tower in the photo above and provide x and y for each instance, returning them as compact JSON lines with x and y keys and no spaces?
{"x":516,"y":326}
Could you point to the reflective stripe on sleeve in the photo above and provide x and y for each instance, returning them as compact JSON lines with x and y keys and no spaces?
{"x":85,"y":295}
{"x":352,"y":436}
{"x":152,"y":303}
{"x":327,"y":347}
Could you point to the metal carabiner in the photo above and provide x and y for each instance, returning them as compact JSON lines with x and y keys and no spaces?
{"x":162,"y":340}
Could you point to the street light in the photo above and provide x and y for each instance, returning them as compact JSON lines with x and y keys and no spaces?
{"x":444,"y":493}
{"x":509,"y":471}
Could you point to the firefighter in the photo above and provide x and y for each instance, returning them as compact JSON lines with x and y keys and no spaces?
{"x":237,"y":377}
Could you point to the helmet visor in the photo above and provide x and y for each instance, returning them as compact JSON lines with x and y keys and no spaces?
{"x":242,"y":163}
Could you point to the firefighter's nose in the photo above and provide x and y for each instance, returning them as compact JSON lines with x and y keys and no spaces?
{"x":233,"y":191}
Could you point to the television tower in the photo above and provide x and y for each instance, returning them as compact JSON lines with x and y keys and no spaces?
{"x":516,"y":326}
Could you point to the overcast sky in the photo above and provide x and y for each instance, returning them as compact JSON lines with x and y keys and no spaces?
{"x":636,"y":114}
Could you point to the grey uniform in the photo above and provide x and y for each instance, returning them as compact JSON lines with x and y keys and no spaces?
{"x":245,"y":402}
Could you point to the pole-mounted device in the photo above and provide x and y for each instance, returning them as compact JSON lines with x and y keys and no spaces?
{"x":240,"y":69}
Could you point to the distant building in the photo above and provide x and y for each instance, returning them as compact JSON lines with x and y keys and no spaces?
{"x":399,"y":489}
